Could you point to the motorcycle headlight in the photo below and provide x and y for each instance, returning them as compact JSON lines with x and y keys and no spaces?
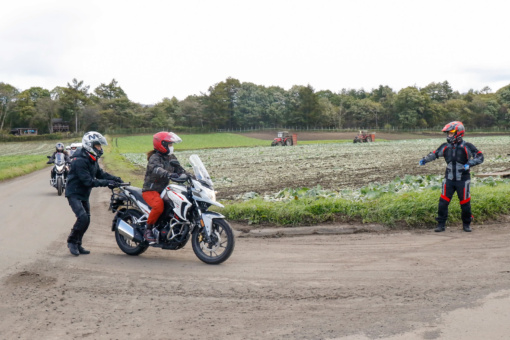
{"x":209,"y":193}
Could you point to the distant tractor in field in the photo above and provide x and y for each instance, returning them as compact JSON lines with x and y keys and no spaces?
{"x":364,"y":137}
{"x":284,"y":139}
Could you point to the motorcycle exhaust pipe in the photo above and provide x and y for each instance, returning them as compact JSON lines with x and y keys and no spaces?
{"x":128,"y":231}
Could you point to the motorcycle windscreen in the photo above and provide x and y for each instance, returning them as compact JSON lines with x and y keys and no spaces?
{"x":199,"y":169}
{"x":59,"y":158}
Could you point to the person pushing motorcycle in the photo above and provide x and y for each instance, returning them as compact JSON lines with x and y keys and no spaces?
{"x":460,"y":156}
{"x":157,"y":176}
{"x":84,"y":175}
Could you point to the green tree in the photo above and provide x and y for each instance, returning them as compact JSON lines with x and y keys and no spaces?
{"x":110,"y":91}
{"x":503,"y":96}
{"x":303,"y":107}
{"x":275,"y":114}
{"x":46,"y":109}
{"x":252,"y":105}
{"x":73,"y":99}
{"x":309,"y":108}
{"x":8,"y":95}
{"x":410,"y":106}
{"x":438,"y":92}
{"x":25,"y":107}
{"x":220,"y":104}
{"x":113,"y":107}
{"x":330,"y":113}
{"x":386,"y":97}
{"x":162,"y":114}
{"x":117,"y":113}
{"x":191,"y":112}
{"x":456,"y":109}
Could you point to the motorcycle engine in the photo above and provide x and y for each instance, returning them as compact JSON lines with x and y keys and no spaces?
{"x":175,"y":234}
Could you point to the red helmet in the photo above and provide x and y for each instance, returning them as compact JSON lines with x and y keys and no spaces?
{"x":457,"y":128}
{"x":162,"y":141}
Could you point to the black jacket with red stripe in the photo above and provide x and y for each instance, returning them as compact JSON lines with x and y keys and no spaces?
{"x":456,"y":155}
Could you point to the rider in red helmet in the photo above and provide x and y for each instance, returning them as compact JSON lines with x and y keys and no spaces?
{"x":460,"y":156}
{"x":157,"y":176}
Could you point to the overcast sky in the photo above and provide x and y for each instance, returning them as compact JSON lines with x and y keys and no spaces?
{"x":158,"y":49}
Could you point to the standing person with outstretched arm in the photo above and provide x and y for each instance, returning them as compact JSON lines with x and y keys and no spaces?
{"x":460,"y":156}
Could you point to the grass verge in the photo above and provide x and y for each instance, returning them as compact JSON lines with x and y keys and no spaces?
{"x":409,"y":210}
{"x":19,"y":165}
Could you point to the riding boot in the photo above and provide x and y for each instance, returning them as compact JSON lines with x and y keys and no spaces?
{"x":466,"y":227}
{"x":80,"y":248}
{"x":439,"y":228}
{"x":73,"y":248}
{"x":149,"y":235}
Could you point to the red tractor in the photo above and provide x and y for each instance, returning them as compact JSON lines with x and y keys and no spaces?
{"x":284,"y":139}
{"x":364,"y":137}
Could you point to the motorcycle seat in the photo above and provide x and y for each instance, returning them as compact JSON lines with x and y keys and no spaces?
{"x":137,"y":192}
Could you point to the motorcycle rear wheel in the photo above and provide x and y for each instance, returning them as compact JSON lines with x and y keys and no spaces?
{"x":220,"y":249}
{"x":126,"y":245}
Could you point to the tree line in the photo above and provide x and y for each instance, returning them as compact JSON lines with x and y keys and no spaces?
{"x":232,"y":104}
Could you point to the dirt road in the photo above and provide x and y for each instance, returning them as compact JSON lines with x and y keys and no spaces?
{"x":395,"y":285}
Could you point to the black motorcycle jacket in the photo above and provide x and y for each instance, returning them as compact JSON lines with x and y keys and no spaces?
{"x":456,"y":156}
{"x":84,"y":175}
{"x":158,"y":172}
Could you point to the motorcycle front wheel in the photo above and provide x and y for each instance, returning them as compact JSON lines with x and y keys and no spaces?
{"x":221,"y":246}
{"x":128,"y":246}
{"x":60,"y":186}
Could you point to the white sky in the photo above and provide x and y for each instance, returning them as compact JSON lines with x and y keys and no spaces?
{"x":157,"y":49}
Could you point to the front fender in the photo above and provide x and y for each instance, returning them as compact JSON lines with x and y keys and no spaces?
{"x":208,"y":218}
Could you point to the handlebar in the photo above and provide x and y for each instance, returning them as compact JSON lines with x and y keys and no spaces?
{"x":118,"y":185}
{"x":181,"y":179}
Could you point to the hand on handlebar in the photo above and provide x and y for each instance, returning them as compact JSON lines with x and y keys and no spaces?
{"x":113,"y":184}
{"x":178,"y":178}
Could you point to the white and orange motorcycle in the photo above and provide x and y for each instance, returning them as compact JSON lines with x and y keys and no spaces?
{"x":185,"y":216}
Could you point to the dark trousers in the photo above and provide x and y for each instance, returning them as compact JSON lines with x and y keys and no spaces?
{"x":82,"y":211}
{"x":463,"y":189}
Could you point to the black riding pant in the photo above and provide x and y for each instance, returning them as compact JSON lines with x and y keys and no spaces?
{"x":463,"y":189}
{"x":82,"y":211}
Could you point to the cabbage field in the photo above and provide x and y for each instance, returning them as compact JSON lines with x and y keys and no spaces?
{"x":343,"y":169}
{"x":27,"y":148}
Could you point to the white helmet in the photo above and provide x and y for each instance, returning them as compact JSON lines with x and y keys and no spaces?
{"x":92,"y":138}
